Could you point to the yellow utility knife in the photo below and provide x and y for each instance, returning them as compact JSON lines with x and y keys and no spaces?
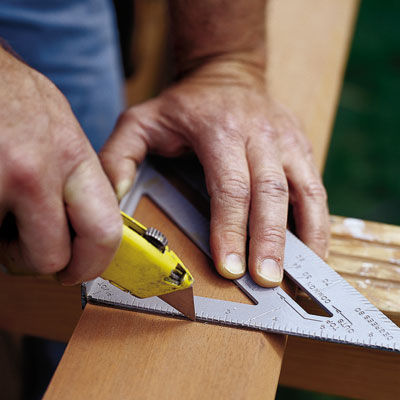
{"x":145,"y":266}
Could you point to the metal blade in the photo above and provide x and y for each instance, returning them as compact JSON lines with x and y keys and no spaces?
{"x":183,"y":301}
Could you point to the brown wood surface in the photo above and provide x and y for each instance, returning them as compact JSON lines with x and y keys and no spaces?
{"x":326,"y":367}
{"x":367,"y":255}
{"x":38,"y":307}
{"x":128,"y":355}
{"x":149,"y":51}
{"x":341,"y":370}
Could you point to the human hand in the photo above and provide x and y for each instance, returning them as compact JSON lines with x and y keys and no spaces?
{"x":49,"y":177}
{"x":255,"y":158}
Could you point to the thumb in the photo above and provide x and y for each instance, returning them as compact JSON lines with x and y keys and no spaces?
{"x":128,"y":145}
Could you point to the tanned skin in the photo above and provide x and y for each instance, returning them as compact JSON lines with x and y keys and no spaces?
{"x":255,"y":157}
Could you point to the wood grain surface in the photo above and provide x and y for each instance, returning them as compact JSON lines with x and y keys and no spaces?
{"x":367,"y":255}
{"x":129,"y":355}
{"x":38,"y":306}
{"x":341,"y":370}
{"x":149,"y":51}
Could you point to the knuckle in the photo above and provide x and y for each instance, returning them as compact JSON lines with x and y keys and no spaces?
{"x":273,"y":186}
{"x":320,"y":236}
{"x":50,"y":264}
{"x":271,"y":234}
{"x":315,"y":191}
{"x":232,"y":190}
{"x":267,"y":134}
{"x":132,"y":115}
{"x":268,"y":130}
{"x":107,"y":234}
{"x":290,"y":141}
{"x":126,"y":116}
{"x":308,"y":149}
{"x":26,"y":172}
{"x":231,"y":233}
{"x":77,"y":148}
{"x":126,"y":119}
{"x":228,"y":125}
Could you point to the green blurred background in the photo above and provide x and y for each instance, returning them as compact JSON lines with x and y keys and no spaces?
{"x":363,"y":169}
{"x":362,"y":174}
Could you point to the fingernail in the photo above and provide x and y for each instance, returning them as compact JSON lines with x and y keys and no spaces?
{"x":123,"y":188}
{"x":66,"y":282}
{"x":234,"y":264}
{"x":270,"y":270}
{"x":69,"y":283}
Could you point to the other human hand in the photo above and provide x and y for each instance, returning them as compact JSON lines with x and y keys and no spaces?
{"x":255,"y":159}
{"x":50,"y":177}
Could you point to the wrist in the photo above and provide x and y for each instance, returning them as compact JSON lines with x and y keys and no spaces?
{"x":215,"y":29}
{"x":239,"y":68}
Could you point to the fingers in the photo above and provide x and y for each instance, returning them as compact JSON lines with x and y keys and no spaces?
{"x":128,"y":145}
{"x":123,"y":151}
{"x":309,"y":200}
{"x":141,"y":129}
{"x":43,"y":235}
{"x":36,"y":235}
{"x":95,"y":218}
{"x":228,"y":184}
{"x":269,"y":207}
{"x":43,"y":241}
{"x":307,"y":193}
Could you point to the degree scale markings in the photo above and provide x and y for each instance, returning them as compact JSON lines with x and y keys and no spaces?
{"x":352,"y":318}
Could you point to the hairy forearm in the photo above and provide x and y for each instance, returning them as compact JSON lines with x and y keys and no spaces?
{"x":232,"y":30}
{"x":249,"y":146}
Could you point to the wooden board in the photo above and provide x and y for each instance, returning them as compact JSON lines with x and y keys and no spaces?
{"x":367,"y":255}
{"x":149,"y":52}
{"x":341,"y":370}
{"x":126,"y":355}
{"x":312,"y":365}
{"x":39,"y":307}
